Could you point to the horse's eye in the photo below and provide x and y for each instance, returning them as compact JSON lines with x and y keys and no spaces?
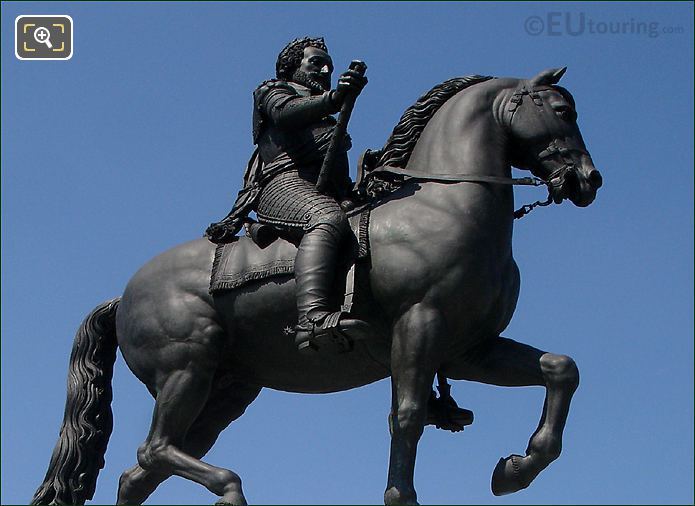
{"x":566,"y":113}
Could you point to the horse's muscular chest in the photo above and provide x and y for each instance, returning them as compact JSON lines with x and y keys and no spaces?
{"x":430,"y":250}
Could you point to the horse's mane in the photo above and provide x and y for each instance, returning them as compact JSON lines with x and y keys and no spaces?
{"x":396,"y":152}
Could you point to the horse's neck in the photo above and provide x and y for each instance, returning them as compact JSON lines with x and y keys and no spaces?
{"x":464,"y":137}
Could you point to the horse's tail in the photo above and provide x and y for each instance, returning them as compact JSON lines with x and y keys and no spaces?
{"x":87,"y":423}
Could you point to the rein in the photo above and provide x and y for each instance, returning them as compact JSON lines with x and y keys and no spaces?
{"x":470,"y":178}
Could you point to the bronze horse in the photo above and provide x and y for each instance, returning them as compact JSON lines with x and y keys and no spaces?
{"x":442,"y":287}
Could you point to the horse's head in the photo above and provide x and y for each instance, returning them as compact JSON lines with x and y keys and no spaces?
{"x":546,"y":140}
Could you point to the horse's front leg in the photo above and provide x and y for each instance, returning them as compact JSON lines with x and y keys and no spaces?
{"x":414,"y":361}
{"x":504,"y":362}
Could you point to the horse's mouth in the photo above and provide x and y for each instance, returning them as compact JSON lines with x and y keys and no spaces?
{"x":584,"y":199}
{"x":580,"y":190}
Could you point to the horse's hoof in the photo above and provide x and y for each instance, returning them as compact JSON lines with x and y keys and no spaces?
{"x":394,"y":496}
{"x":506,"y":478}
{"x":232,"y":501}
{"x":232,"y":497}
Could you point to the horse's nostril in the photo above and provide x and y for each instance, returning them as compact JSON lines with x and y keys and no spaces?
{"x":595,"y":179}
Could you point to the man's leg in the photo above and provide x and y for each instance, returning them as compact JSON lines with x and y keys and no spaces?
{"x":315,"y":267}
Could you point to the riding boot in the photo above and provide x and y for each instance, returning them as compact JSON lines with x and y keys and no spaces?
{"x":315,"y":268}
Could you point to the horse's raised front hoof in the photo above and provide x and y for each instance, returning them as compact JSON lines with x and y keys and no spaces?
{"x":506,"y":478}
{"x":395,"y":496}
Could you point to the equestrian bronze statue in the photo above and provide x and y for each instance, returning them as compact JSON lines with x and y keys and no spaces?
{"x":413,"y":278}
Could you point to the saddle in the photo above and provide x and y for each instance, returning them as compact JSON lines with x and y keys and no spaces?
{"x":264,"y":252}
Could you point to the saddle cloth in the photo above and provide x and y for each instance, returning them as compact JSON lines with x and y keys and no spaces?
{"x":242,"y":261}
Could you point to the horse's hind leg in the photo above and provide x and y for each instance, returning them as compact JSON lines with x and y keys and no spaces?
{"x":179,"y":402}
{"x":225,"y":404}
{"x":503,"y":362}
{"x":135,"y":485}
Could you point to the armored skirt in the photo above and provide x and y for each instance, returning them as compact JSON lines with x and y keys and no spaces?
{"x":291,"y":201}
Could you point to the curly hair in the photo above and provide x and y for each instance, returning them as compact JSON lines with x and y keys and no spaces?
{"x":291,"y":56}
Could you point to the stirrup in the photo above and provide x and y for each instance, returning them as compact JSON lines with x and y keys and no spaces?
{"x":331,"y":331}
{"x":445,"y":414}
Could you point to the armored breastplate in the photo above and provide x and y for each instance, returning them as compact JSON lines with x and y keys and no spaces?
{"x":300,"y":145}
{"x":305,"y":144}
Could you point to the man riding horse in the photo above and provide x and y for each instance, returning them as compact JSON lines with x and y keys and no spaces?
{"x":292,"y":128}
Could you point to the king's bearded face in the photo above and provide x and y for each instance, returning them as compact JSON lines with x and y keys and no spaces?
{"x":315,"y":83}
{"x":315,"y":70}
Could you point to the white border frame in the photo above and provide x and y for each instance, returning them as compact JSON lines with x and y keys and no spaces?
{"x":72,"y":35}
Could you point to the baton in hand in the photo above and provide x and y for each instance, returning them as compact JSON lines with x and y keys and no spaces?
{"x":339,"y":131}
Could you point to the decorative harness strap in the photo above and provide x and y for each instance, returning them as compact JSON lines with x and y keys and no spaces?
{"x":471,"y":178}
{"x":464,"y":178}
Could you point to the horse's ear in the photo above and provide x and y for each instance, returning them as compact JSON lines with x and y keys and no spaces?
{"x":548,"y":76}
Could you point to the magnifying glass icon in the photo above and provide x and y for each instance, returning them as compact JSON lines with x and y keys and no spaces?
{"x":43,"y":36}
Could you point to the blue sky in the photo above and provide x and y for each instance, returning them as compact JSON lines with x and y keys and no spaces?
{"x":139,"y":141}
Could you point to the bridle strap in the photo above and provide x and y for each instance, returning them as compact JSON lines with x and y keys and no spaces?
{"x":462,"y":178}
{"x":471,"y":178}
